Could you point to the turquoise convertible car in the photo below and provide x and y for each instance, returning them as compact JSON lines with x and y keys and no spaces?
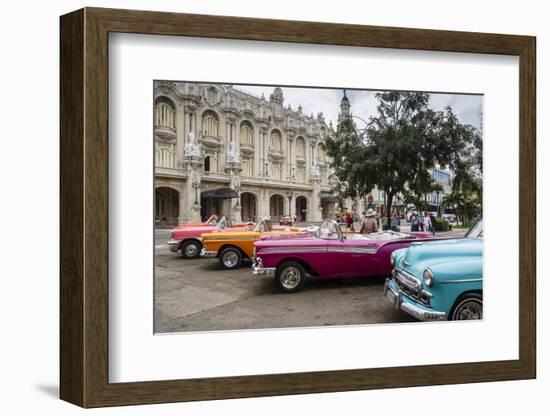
{"x":439,"y":280}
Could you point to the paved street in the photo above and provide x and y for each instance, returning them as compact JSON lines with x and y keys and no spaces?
{"x":197,"y":295}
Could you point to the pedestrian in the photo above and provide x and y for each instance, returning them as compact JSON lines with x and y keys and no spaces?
{"x":348,"y":220}
{"x":432,"y":220}
{"x":427,"y":222}
{"x":395,"y":223}
{"x":369,"y":223}
{"x":415,"y":222}
{"x":421,"y":221}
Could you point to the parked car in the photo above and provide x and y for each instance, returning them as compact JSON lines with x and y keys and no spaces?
{"x":188,"y":239}
{"x":440,"y":280}
{"x":329,"y":253}
{"x":233,"y":247}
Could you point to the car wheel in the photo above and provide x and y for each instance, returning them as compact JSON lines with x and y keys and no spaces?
{"x":468,"y":306}
{"x":191,"y":250}
{"x":290,"y":277}
{"x":231,"y":258}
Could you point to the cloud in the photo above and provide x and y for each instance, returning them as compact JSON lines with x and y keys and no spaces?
{"x":468,"y":108}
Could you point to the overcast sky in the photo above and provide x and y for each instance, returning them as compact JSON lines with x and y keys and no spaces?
{"x":468,"y":108}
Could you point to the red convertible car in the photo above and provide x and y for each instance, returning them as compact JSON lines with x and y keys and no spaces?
{"x":329,"y":253}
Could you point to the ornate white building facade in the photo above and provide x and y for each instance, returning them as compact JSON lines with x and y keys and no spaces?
{"x":220,"y":150}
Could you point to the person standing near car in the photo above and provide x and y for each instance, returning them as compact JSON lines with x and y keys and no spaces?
{"x":394,"y":225}
{"x":369,"y":223}
{"x":348,"y":220}
{"x":414,"y":221}
{"x":432,"y":221}
{"x":427,"y":222}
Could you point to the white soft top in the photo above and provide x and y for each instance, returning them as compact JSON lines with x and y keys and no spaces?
{"x":381,"y":236}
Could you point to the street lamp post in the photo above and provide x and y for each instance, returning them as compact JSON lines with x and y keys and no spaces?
{"x":196,"y":186}
{"x":290,"y":195}
{"x":438,"y":204}
{"x":237,"y":189}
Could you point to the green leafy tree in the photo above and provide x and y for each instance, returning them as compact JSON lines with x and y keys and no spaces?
{"x":402,"y":143}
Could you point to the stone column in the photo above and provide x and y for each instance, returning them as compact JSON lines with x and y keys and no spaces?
{"x":189,"y":210}
{"x":180,"y":135}
{"x":315,"y":212}
{"x":234,"y":169}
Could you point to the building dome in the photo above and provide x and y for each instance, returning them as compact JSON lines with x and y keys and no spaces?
{"x":277,"y":95}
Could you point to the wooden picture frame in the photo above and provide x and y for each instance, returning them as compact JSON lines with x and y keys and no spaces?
{"x":84,"y":207}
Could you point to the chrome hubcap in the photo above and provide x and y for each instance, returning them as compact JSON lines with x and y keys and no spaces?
{"x":191,"y":250}
{"x":290,"y":277}
{"x":230,"y":259}
{"x":470,"y":309}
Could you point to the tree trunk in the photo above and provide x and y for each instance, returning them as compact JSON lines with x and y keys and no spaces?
{"x":388,"y":209}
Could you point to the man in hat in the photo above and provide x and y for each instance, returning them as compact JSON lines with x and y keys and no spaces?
{"x":369,"y":223}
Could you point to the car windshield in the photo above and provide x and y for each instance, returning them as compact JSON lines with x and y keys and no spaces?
{"x":329,"y":230}
{"x":212,"y":219}
{"x":221,"y":224}
{"x":476,"y":231}
{"x":263,"y":225}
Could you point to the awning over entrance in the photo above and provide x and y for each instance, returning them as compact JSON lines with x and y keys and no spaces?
{"x":220,"y":193}
{"x":328,"y":198}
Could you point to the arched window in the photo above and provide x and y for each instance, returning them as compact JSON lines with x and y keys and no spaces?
{"x":321,"y":155}
{"x":211,"y":162}
{"x":210,"y":124}
{"x":276,"y":140}
{"x":247,"y":133}
{"x":300,"y":147}
{"x":276,"y":170}
{"x":248,"y":167}
{"x":301,"y":174}
{"x":165,"y":155}
{"x":165,"y":112}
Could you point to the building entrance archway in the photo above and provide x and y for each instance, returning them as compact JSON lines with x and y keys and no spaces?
{"x":167,"y":206}
{"x":248,"y":207}
{"x":276,"y":207}
{"x":301,"y":209}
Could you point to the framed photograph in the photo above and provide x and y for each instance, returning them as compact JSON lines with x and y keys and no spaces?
{"x":256,"y":207}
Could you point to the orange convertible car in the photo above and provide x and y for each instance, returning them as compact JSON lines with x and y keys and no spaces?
{"x":231,"y":247}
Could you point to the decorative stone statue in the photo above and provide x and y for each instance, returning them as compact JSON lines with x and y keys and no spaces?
{"x":315,"y":171}
{"x":192,"y":148}
{"x":232,"y":155}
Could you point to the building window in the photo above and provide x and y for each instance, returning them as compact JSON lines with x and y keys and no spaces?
{"x":276,"y":141}
{"x":165,"y":155}
{"x":247,"y":133}
{"x":301,"y":174}
{"x":321,"y":152}
{"x":211,"y":162}
{"x":276,"y":171}
{"x":210,"y":124}
{"x":301,"y":147}
{"x":248,"y":167}
{"x":165,"y":113}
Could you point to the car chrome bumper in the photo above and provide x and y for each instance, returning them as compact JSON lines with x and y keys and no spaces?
{"x":206,"y":253}
{"x":173,"y":245}
{"x":395,"y":296}
{"x":263,"y":271}
{"x":258,"y":269}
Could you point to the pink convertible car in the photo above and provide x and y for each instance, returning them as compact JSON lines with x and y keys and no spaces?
{"x":328,"y":253}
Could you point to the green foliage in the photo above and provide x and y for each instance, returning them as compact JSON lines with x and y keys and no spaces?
{"x":402,"y":144}
{"x":441,"y":224}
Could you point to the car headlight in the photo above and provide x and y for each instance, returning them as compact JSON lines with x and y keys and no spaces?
{"x":392,"y":258}
{"x":428,"y":278}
